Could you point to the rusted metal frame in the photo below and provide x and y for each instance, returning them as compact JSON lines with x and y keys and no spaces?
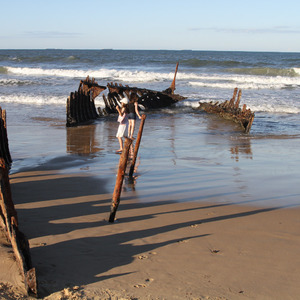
{"x":92,"y":106}
{"x":76,"y":107}
{"x":87,"y":107}
{"x":80,"y":114}
{"x":230,"y":110}
{"x":17,"y":239}
{"x":119,"y":181}
{"x":5,"y":139}
{"x":73,"y":109}
{"x":149,"y":98}
{"x":4,"y":149}
{"x":137,"y":145}
{"x":88,"y":85}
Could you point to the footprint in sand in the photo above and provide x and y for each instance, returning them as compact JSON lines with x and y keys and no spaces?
{"x":142,"y":285}
{"x":142,"y":257}
{"x":214,"y":251}
{"x":183,"y":241}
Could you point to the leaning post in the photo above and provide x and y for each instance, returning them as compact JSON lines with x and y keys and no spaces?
{"x":119,"y":181}
{"x":137,"y":145}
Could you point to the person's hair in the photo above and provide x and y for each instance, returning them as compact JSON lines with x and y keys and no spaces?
{"x":126,"y":107}
{"x":133,"y":97}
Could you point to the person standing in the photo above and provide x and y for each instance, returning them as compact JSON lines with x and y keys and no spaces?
{"x":132,"y":113}
{"x":123,"y":122}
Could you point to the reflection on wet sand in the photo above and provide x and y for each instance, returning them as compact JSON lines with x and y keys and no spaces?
{"x":239,"y":143}
{"x":81,"y":140}
{"x":244,"y":149}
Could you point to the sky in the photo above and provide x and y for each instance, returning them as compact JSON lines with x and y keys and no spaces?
{"x":141,"y":24}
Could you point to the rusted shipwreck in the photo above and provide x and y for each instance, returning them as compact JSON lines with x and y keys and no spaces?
{"x":149,"y":99}
{"x":9,"y":218}
{"x":230,"y":110}
{"x":81,"y":106}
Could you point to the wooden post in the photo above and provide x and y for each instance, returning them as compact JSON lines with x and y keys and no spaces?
{"x":119,"y":180}
{"x":137,"y":145}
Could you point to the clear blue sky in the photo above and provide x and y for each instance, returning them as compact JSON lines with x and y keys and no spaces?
{"x":156,"y":24}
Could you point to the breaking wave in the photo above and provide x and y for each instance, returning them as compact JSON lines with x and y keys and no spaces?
{"x":245,"y":81}
{"x":292,"y":72}
{"x":3,"y":70}
{"x":106,"y":74}
{"x":270,"y":108}
{"x":34,"y":99}
{"x":194,"y":62}
{"x":15,"y":82}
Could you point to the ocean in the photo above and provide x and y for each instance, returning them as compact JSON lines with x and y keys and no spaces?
{"x":270,"y":82}
{"x":35,"y":84}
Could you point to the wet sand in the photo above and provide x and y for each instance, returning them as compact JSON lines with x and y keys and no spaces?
{"x":211,"y":214}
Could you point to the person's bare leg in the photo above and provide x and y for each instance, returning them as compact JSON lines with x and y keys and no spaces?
{"x":121,"y":144}
{"x":130,"y":128}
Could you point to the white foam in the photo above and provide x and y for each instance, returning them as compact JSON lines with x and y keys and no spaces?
{"x":247,"y":82}
{"x":187,"y":103}
{"x":113,"y":74}
{"x":271,"y":108}
{"x":297,"y":71}
{"x":33,"y":99}
{"x":14,"y":82}
{"x":203,"y":80}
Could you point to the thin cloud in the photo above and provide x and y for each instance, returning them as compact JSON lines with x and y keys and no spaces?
{"x":275,"y":30}
{"x":49,"y":34}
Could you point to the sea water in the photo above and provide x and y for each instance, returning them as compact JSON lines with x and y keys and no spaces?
{"x":35,"y":84}
{"x":270,"y":82}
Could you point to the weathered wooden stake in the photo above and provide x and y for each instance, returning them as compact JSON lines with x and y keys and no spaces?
{"x":119,"y":181}
{"x":137,"y":145}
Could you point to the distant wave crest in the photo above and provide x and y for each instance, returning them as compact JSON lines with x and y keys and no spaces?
{"x":292,"y":72}
{"x":15,"y":82}
{"x":241,"y":78}
{"x":105,"y":74}
{"x":3,"y":70}
{"x":194,"y":62}
{"x":33,"y":99}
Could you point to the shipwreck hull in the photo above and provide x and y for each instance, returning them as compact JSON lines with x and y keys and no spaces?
{"x":230,"y":110}
{"x":80,"y":104}
{"x":149,"y":99}
{"x":81,"y":107}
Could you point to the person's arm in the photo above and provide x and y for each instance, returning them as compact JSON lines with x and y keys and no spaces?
{"x":137,"y":110}
{"x":120,"y":111}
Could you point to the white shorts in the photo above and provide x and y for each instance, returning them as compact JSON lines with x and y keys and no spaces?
{"x":121,"y":130}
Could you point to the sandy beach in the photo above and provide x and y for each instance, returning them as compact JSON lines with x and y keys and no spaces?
{"x":220,"y":222}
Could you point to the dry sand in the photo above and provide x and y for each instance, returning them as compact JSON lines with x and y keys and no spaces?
{"x":157,"y":250}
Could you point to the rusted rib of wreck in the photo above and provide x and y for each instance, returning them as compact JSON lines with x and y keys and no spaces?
{"x":230,"y":110}
{"x":17,"y":239}
{"x":4,"y":148}
{"x":149,"y":99}
{"x":80,"y":104}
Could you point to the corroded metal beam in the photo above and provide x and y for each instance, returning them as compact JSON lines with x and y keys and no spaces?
{"x":230,"y":110}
